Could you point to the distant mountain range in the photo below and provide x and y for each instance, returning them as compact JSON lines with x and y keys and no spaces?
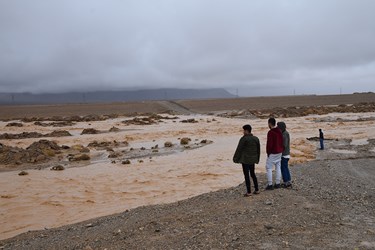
{"x":112,"y":96}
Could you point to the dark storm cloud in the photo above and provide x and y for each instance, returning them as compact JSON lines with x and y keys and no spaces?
{"x":259,"y":47}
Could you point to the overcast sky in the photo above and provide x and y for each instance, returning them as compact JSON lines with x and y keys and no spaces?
{"x":260,"y":47}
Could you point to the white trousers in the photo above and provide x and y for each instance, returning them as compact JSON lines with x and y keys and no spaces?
{"x":273,"y":159}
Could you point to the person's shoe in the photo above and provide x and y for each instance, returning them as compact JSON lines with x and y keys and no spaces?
{"x":277,"y":186}
{"x":256,"y":192}
{"x":269,"y":187}
{"x":247,"y":195}
{"x":288,"y":185}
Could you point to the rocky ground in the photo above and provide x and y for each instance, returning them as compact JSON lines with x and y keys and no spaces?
{"x":331,"y":206}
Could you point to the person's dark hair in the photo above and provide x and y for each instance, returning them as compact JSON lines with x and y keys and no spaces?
{"x":320,"y":129}
{"x":272,"y":121}
{"x":247,"y":127}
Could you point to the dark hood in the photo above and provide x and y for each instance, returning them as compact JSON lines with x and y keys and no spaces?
{"x":282,"y":126}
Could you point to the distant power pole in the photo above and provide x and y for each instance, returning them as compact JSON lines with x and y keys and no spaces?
{"x":237,"y":93}
{"x":340,"y":90}
{"x":294,"y":91}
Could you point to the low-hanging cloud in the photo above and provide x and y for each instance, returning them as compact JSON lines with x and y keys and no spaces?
{"x":258,"y":47}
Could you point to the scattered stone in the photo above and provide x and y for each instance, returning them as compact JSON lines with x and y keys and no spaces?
{"x":23,"y":173}
{"x":113,"y":155}
{"x":58,"y":168}
{"x":189,"y":121}
{"x":125,"y":162}
{"x":168,"y":144}
{"x":185,"y":141}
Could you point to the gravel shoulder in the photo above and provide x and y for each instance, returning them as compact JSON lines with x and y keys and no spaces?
{"x":331,"y":206}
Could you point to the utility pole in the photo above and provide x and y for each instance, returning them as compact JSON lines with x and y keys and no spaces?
{"x":340,"y":90}
{"x":294,"y":91}
{"x":237,"y":92}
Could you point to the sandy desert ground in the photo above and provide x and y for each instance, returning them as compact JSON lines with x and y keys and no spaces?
{"x":156,"y":174}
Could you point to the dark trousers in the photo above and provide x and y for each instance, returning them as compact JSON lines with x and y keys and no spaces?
{"x":285,"y":170}
{"x":321,"y":143}
{"x":250,"y":168}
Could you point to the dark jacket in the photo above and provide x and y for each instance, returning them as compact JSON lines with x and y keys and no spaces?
{"x":286,"y":138}
{"x":248,"y":150}
{"x":274,"y":141}
{"x":321,"y":135}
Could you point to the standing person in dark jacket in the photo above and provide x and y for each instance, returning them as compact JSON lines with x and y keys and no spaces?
{"x":285,"y":156}
{"x":274,"y":150}
{"x":321,"y":139}
{"x":248,"y":153}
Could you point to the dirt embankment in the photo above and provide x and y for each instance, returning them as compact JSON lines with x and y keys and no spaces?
{"x":280,"y":112}
{"x":179,"y":107}
{"x":270,"y":102}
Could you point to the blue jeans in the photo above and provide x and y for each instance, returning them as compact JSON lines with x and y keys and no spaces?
{"x":285,"y":170}
{"x":321,"y":143}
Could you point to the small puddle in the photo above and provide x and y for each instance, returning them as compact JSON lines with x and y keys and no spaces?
{"x":359,"y":142}
{"x":343,"y":151}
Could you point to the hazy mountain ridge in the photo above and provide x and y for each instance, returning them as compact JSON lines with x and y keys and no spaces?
{"x":112,"y":96}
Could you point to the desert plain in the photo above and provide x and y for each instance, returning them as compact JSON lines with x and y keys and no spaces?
{"x":159,"y":175}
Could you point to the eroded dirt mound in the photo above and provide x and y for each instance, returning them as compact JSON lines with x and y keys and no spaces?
{"x":37,"y":152}
{"x":90,"y":131}
{"x":302,"y":111}
{"x":54,"y":124}
{"x":140,"y":121}
{"x":148,"y":120}
{"x":58,"y":133}
{"x":25,"y":135}
{"x":107,"y":144}
{"x":75,"y":118}
{"x":22,"y":135}
{"x":14,"y":124}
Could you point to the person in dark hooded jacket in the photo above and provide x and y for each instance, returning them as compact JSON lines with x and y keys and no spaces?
{"x":248,"y":154}
{"x":285,"y":155}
